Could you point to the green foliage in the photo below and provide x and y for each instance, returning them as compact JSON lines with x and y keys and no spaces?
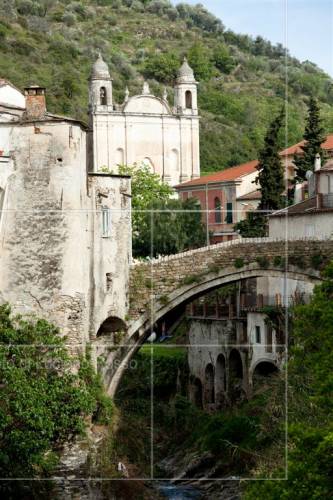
{"x":318,"y":260}
{"x":239,"y":262}
{"x":263,"y":262}
{"x":298,"y":261}
{"x":222,"y":59}
{"x":310,"y":382}
{"x":161,"y":224}
{"x":243,"y":80}
{"x":200,"y":60}
{"x":254,"y":226}
{"x":191,"y":279}
{"x":162,"y":67}
{"x":270,"y":176}
{"x":43,"y":402}
{"x":279,"y":261}
{"x":314,"y":136}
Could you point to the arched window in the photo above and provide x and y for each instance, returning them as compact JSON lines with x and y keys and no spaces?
{"x":174,"y":161}
{"x":220,"y":380}
{"x":217,"y":205}
{"x":235,"y":375}
{"x":197,"y":393}
{"x":103,"y":96}
{"x":120,"y":156}
{"x":188,"y":99}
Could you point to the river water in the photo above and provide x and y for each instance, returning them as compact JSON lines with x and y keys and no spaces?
{"x":178,"y":492}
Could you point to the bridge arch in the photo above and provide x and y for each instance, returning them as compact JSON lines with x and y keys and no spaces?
{"x":164,"y":283}
{"x":139,"y":330}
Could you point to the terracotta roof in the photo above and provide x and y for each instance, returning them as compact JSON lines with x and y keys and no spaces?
{"x":253,"y":195}
{"x":229,"y":174}
{"x":306,"y":207}
{"x":327,"y":144}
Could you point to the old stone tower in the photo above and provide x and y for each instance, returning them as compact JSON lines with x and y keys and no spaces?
{"x":145,"y":129}
{"x":65,"y":232}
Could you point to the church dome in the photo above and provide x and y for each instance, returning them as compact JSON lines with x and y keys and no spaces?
{"x":185,"y":72}
{"x":100,"y":70}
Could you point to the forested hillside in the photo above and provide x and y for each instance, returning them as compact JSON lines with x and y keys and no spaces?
{"x":242,"y":80}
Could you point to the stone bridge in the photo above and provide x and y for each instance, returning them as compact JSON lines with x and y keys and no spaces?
{"x":161,"y":285}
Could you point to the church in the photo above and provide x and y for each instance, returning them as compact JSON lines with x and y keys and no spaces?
{"x":145,"y":129}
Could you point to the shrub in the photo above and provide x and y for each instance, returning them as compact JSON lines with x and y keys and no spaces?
{"x":317,"y":260}
{"x":298,"y":261}
{"x":69,"y":18}
{"x":162,"y":67}
{"x":239,"y":262}
{"x":263,"y":261}
{"x":190,"y":279}
{"x":279,"y":261}
{"x":43,"y":402}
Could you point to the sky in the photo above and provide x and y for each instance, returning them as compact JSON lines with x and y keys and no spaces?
{"x":304,"y":26}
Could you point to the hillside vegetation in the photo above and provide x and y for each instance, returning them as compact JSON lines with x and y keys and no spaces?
{"x":242,"y":80}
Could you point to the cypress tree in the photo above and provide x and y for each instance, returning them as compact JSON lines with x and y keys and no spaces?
{"x":271,"y":179}
{"x":314,"y":136}
{"x":270,"y":176}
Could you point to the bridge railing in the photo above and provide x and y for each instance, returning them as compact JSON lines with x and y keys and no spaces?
{"x":225,"y":244}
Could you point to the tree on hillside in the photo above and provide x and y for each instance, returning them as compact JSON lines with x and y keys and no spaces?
{"x":314,"y":136}
{"x":271,"y":180}
{"x":199,"y":58}
{"x":222,"y":59}
{"x":162,"y":67}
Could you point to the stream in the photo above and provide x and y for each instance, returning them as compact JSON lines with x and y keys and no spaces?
{"x":178,"y":492}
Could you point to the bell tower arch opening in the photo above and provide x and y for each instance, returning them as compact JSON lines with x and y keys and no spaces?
{"x":188,"y":99}
{"x":103,"y":96}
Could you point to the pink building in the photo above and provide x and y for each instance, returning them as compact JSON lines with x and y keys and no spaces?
{"x":224,"y":198}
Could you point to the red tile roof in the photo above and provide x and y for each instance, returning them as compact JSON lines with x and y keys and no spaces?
{"x":328,"y":144}
{"x":254,"y":195}
{"x":230,"y":174}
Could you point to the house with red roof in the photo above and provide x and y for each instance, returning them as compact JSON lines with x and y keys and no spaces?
{"x":288,"y":154}
{"x":225,"y":197}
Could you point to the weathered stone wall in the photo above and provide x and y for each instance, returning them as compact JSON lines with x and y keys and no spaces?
{"x":54,"y":258}
{"x":159,"y":279}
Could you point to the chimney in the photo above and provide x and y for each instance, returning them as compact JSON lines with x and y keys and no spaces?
{"x":35,"y":102}
{"x":317,"y":164}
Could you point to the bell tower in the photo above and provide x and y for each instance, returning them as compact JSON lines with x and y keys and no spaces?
{"x":186,"y":98}
{"x":100,"y":87}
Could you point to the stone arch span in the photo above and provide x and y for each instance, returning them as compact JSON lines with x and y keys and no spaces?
{"x":139,"y":329}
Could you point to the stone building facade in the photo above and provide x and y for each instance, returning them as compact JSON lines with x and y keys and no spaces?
{"x":231,"y":342}
{"x":145,"y":129}
{"x":65,"y":232}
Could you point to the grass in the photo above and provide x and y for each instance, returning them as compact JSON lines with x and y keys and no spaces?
{"x":163,"y":351}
